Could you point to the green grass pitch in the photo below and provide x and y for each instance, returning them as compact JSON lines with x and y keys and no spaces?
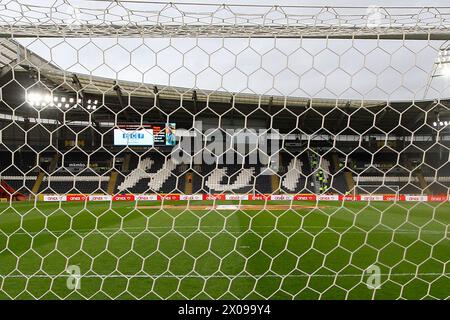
{"x":176,"y":253}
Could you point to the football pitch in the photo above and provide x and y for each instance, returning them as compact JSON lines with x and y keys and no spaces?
{"x":128,"y":250}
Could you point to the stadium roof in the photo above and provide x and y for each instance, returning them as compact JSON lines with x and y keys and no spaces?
{"x":140,"y":96}
{"x":14,"y":55}
{"x":96,"y":85}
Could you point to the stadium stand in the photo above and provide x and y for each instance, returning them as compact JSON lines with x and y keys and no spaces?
{"x":292,"y":177}
{"x":164,"y":176}
{"x":137,"y":175}
{"x":153,"y":172}
{"x":221,"y":180}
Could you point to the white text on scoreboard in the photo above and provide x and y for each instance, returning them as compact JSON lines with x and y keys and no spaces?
{"x":141,"y":137}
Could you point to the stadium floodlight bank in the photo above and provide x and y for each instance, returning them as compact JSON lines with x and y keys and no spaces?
{"x":210,"y":151}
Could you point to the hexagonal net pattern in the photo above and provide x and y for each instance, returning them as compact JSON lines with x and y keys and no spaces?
{"x":183,"y":151}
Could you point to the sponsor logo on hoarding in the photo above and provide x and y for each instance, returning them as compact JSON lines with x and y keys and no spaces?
{"x":393,"y":197}
{"x":371,"y":198}
{"x":169,"y":197}
{"x":236,"y":197}
{"x":213,"y":197}
{"x":442,"y":198}
{"x":282,"y":197}
{"x":54,"y":198}
{"x":191,"y":197}
{"x":76,"y":197}
{"x":100,"y":198}
{"x":143,"y":197}
{"x":123,"y":197}
{"x":327,"y":197}
{"x":305,"y":197}
{"x":349,"y":198}
{"x":259,"y":197}
{"x":416,"y":198}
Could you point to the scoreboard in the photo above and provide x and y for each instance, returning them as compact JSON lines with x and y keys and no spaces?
{"x":149,"y":134}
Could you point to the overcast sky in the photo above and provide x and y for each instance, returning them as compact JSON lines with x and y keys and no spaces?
{"x":367,"y":69}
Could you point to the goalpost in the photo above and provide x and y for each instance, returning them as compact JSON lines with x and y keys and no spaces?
{"x":260,"y":112}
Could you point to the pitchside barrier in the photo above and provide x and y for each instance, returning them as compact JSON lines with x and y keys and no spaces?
{"x":244,"y":197}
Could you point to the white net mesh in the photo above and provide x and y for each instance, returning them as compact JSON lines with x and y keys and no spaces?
{"x":163,"y":151}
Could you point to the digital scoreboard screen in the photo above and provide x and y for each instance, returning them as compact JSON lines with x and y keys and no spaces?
{"x":151,"y":134}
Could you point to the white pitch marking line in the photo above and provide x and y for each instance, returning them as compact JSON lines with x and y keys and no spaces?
{"x":104,"y":276}
{"x":222,"y":229}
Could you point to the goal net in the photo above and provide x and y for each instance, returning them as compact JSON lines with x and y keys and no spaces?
{"x":193,"y":151}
